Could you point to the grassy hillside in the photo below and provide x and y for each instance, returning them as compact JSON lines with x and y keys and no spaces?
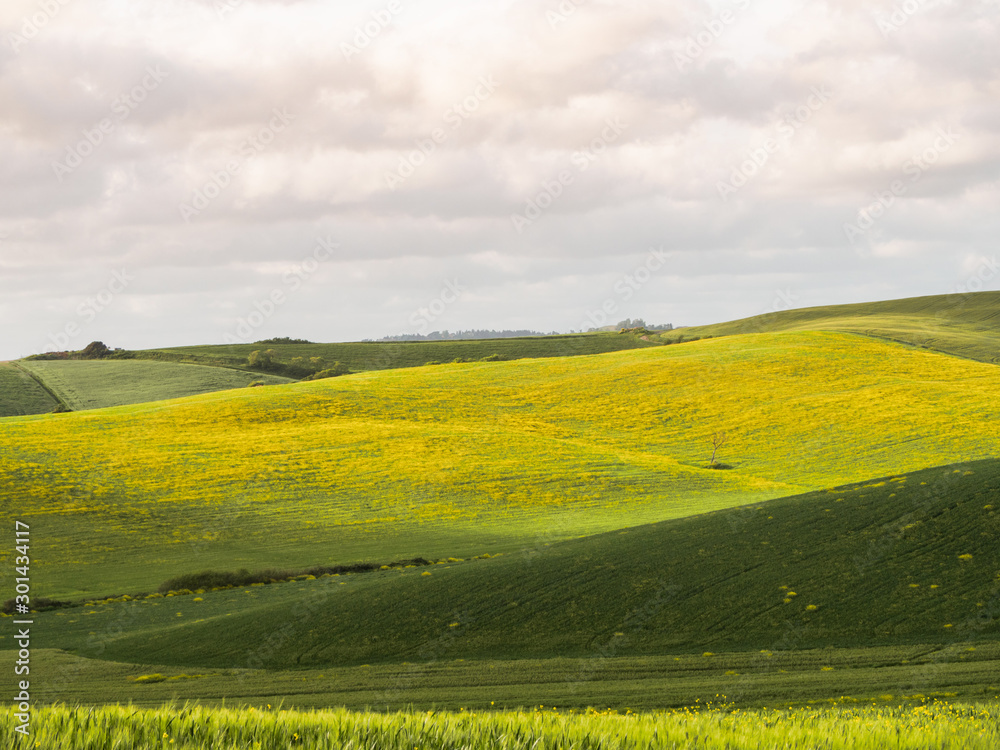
{"x":463,"y":459}
{"x":903,"y":560}
{"x":387,"y":355}
{"x":20,"y":394}
{"x":96,"y":384}
{"x":958,"y":671}
{"x":964,"y":325}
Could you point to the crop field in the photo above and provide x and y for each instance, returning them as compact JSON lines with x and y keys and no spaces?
{"x":20,"y":394}
{"x":459,"y":460}
{"x":909,"y":559}
{"x":838,"y":727}
{"x":758,"y":679}
{"x":96,"y":384}
{"x":387,"y":355}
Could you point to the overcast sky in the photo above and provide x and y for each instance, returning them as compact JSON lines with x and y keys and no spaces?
{"x":180,"y":172}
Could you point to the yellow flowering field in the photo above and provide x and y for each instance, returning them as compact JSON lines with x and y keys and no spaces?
{"x":478,"y":457}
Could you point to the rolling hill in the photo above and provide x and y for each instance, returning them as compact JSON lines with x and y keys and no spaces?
{"x":458,"y":460}
{"x":583,"y":549}
{"x":378,"y":355}
{"x":964,"y":325}
{"x":97,"y":384}
{"x":161,"y":374}
{"x":906,"y":559}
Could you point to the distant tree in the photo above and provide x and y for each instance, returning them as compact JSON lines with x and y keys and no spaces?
{"x":95,"y":350}
{"x":719,"y":439}
{"x":335,"y":371}
{"x":262,"y":360}
{"x":299,"y":367}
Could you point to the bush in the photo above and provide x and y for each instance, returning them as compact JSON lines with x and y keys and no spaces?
{"x":95,"y":350}
{"x":265,"y":360}
{"x":149,"y":678}
{"x":212,"y":579}
{"x":331,"y":372}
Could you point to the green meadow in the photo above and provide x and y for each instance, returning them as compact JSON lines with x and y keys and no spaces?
{"x":544,"y":528}
{"x":20,"y":394}
{"x":963,"y":325}
{"x":363,"y":356}
{"x":96,"y":384}
{"x":465,"y":459}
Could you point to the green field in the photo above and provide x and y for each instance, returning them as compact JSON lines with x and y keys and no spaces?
{"x":782,"y":676}
{"x":154,"y":375}
{"x":20,"y":394}
{"x":584,"y":551}
{"x":909,"y":559}
{"x":963,"y":325}
{"x":458,"y":460}
{"x":97,"y":384}
{"x":387,"y":355}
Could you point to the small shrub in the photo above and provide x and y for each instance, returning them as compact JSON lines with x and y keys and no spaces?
{"x":335,"y":371}
{"x":148,"y":678}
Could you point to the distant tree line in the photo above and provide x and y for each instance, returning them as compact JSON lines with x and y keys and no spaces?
{"x":283,"y":340}
{"x":464,"y":335}
{"x":630,"y":324}
{"x":93,"y":350}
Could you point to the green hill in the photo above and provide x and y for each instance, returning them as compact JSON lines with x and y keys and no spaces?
{"x":20,"y":394}
{"x":96,"y":384}
{"x":964,"y":325}
{"x":458,"y":460}
{"x":388,"y":355}
{"x":901,"y":560}
{"x":154,"y":375}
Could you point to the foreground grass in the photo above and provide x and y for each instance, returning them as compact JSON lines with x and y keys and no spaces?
{"x":458,"y":460}
{"x":937,"y":725}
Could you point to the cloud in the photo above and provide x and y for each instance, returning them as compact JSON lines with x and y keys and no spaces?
{"x":415,"y":132}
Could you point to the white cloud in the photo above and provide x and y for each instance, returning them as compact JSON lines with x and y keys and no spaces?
{"x":558,"y":84}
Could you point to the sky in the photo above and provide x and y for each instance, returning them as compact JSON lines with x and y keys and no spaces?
{"x":209,"y":171}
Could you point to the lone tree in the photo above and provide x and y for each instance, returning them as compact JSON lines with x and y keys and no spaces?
{"x":719,"y":439}
{"x":265,"y":360}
